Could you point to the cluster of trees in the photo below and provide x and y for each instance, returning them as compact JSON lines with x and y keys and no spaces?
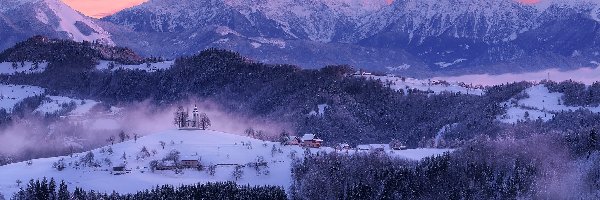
{"x":359,"y":110}
{"x":528,"y":168}
{"x":576,"y":93}
{"x":48,"y":190}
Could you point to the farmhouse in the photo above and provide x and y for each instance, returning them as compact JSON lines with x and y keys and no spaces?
{"x":311,"y":141}
{"x":342,"y":146}
{"x":119,"y":170}
{"x":292,"y":140}
{"x":189,"y":163}
{"x":363,"y":147}
{"x":373,"y":147}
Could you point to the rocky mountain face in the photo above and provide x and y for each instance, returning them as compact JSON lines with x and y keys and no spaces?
{"x":21,"y":19}
{"x":413,"y":37}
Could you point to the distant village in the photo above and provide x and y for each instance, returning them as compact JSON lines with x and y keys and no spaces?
{"x":312,"y":141}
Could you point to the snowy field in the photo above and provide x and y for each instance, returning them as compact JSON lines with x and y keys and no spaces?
{"x":425,"y":85}
{"x":587,"y":75}
{"x":540,"y":104}
{"x":10,"y":95}
{"x":210,"y":147}
{"x":54,"y":104}
{"x":8,"y":68}
{"x":149,"y":67}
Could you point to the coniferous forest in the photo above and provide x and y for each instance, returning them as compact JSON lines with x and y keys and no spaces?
{"x":50,"y":190}
{"x":530,"y":159}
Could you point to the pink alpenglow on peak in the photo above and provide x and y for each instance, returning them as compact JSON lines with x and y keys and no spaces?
{"x":101,"y":8}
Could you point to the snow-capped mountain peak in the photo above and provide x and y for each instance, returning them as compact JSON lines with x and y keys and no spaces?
{"x":78,"y":26}
{"x":52,"y":18}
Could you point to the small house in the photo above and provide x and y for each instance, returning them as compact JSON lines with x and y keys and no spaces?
{"x":311,"y":141}
{"x":363,"y":147}
{"x":189,"y":163}
{"x":293,"y":140}
{"x":373,"y":147}
{"x":166,"y":165}
{"x":342,"y":146}
{"x":379,"y":147}
{"x":119,"y":170}
{"x":397,"y":145}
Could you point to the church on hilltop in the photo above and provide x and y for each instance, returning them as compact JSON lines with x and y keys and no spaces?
{"x":198,"y":121}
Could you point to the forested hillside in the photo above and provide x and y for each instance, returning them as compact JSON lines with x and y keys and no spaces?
{"x":358,"y":110}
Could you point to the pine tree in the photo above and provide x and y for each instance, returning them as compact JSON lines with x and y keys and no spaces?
{"x":52,"y":188}
{"x":204,"y":121}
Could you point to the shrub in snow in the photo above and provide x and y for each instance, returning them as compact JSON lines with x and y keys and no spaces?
{"x":172,"y":156}
{"x":109,"y":150}
{"x":59,"y":165}
{"x":212,"y":169}
{"x":143,"y":154}
{"x":260,"y":165}
{"x":107,"y":162}
{"x":154,"y":165}
{"x":88,"y":160}
{"x":238,"y":172}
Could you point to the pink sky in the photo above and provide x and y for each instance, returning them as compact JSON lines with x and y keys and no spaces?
{"x":101,"y":8}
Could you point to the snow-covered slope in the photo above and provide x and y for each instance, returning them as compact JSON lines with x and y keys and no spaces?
{"x":55,"y":104}
{"x":20,"y":19}
{"x":149,"y":67}
{"x":8,"y":68}
{"x":537,"y":102}
{"x":76,"y":25}
{"x":10,"y":95}
{"x":433,"y":86}
{"x":224,"y":150}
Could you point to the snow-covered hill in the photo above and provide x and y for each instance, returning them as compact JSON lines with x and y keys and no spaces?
{"x":54,"y":104}
{"x":20,"y":19}
{"x":10,"y":95}
{"x":537,"y":102}
{"x":210,"y":148}
{"x":149,"y":67}
{"x":432,"y":86}
{"x":10,"y":68}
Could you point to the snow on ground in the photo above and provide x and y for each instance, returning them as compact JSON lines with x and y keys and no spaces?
{"x":210,"y":147}
{"x":10,"y":95}
{"x":588,"y":74}
{"x":8,"y":68}
{"x":447,"y":64}
{"x":398,"y":68}
{"x":539,"y":103}
{"x":54,"y":104}
{"x":68,"y":18}
{"x":149,"y":67}
{"x":434,"y":86}
{"x":320,"y":110}
{"x":418,"y":154}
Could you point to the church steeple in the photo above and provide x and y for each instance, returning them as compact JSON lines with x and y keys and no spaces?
{"x":195,"y":117}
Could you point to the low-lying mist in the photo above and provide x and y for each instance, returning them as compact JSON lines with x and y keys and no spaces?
{"x":35,"y":136}
{"x":587,"y":75}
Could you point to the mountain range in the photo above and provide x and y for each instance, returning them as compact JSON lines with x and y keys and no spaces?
{"x":408,"y":37}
